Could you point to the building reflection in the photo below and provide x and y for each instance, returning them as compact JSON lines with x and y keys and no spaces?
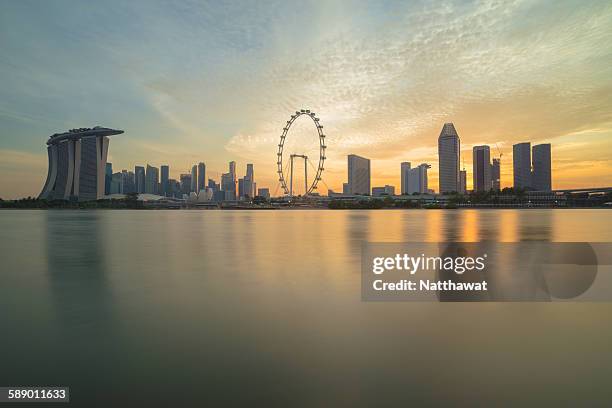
{"x":77,"y":271}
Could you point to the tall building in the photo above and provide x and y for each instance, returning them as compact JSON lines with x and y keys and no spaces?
{"x":404,"y":174}
{"x":542,"y":173}
{"x":249,"y":181}
{"x":358,"y":175}
{"x":165,"y":177}
{"x":185,"y":183}
{"x":462,"y":182}
{"x":194,"y":179}
{"x":345,"y":189}
{"x":241,"y":192}
{"x":449,"y":151}
{"x":108,"y":175}
{"x":481,"y":168}
{"x":232,"y":170}
{"x":152,"y":180}
{"x":139,"y":174}
{"x":201,"y":176}
{"x":228,"y":187}
{"x":496,"y":174}
{"x":116,"y":186}
{"x":414,"y":180}
{"x":521,"y":165}
{"x":123,"y":183}
{"x":128,"y":180}
{"x":228,"y":183}
{"x":77,"y":164}
{"x":213,"y":186}
{"x":175,"y":188}
{"x":417,"y":179}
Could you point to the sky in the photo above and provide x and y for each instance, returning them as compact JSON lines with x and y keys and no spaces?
{"x":193,"y":81}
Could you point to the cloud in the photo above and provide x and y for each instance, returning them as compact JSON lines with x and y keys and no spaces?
{"x":204,"y":81}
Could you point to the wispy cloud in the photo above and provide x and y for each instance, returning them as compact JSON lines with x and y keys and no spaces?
{"x":218,"y":81}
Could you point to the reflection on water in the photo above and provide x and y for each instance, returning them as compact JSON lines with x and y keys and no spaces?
{"x":77,"y":265}
{"x":246,"y":306}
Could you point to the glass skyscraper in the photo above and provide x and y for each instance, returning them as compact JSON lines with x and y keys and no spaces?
{"x":152,"y":180}
{"x":448,"y":158}
{"x":201,"y":176}
{"x":139,"y":174}
{"x":541,"y":177}
{"x":108,"y":175}
{"x":496,"y":174}
{"x":358,"y":174}
{"x":521,"y":165}
{"x":165,"y":176}
{"x":481,"y":168}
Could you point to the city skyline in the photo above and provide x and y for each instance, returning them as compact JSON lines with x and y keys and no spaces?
{"x":158,"y":183}
{"x":215,"y":83}
{"x":76,"y":171}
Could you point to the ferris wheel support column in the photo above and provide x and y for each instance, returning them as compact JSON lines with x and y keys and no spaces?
{"x":291,"y":178}
{"x":305,"y":175}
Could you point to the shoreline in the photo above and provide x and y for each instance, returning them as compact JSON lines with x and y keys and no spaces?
{"x":152,"y":208}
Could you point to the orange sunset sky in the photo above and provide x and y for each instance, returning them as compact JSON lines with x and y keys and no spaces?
{"x":212,"y":82}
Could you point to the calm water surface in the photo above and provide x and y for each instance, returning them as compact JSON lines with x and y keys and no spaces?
{"x":263,"y":307}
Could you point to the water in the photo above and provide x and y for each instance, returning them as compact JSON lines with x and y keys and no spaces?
{"x":195,"y":308}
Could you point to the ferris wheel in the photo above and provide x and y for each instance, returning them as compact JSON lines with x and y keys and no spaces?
{"x":281,"y":156}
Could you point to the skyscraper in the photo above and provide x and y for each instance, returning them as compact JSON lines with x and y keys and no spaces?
{"x":213,"y":186}
{"x":496,"y":174}
{"x":358,"y":174}
{"x":228,"y":186}
{"x":165,"y":176}
{"x":175,"y":188}
{"x":249,"y":182}
{"x":77,"y":164}
{"x":414,"y":180}
{"x":128,"y":179}
{"x":462,"y":182}
{"x":481,"y":168}
{"x":541,"y":179}
{"x":449,"y":147}
{"x":404,"y":174}
{"x":232,"y":170}
{"x":108,"y":175}
{"x":201,"y":176}
{"x":417,"y":179}
{"x":241,"y":192}
{"x":194,"y":178}
{"x":116,"y":186}
{"x":521,"y":165}
{"x":152,"y":180}
{"x":228,"y":182}
{"x":185,"y":183}
{"x":139,"y":174}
